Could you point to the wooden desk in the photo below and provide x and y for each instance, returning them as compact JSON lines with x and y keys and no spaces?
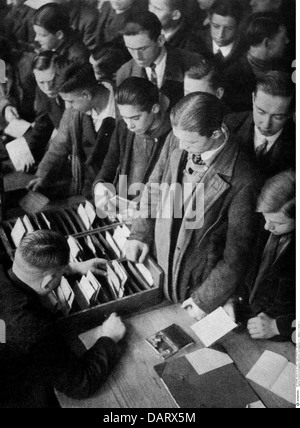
{"x":134,"y":383}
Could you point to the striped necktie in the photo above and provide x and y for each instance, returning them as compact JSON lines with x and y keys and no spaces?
{"x":154,"y":78}
{"x":261,"y":150}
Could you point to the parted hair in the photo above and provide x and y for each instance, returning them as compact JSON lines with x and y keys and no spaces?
{"x":279,"y":195}
{"x":144,"y":22}
{"x":198,"y":112}
{"x":232,"y":8}
{"x":44,"y":60}
{"x":206,"y":69}
{"x":138,"y":92}
{"x":75,"y":76}
{"x":45,"y":249}
{"x":277,"y":84}
{"x":261,"y":26}
{"x":52,"y":17}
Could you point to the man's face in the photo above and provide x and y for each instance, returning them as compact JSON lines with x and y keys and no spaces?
{"x":203,"y":85}
{"x":79,"y":101}
{"x":192,"y":142}
{"x":279,"y":224}
{"x":142,"y":49}
{"x":265,"y":5}
{"x":223,"y":29}
{"x":162,"y":10}
{"x":137,"y":121}
{"x":46,"y":40}
{"x":121,"y":5}
{"x":45,"y":81}
{"x":278,"y":44}
{"x":205,"y":4}
{"x":270,"y":113}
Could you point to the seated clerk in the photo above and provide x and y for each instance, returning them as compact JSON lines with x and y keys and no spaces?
{"x":270,"y":286}
{"x":204,"y":258}
{"x":268,"y":132}
{"x":266,"y":36}
{"x":83,"y":19}
{"x":85,"y":130}
{"x":222,"y":39}
{"x":165,"y":67}
{"x":107,"y":61}
{"x":175,"y":26}
{"x":138,"y":139}
{"x":35,"y":358}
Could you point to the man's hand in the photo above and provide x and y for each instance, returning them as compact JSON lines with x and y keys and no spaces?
{"x":35,"y":184}
{"x":136,"y":251}
{"x":96,"y":266}
{"x":11,"y":113}
{"x":114,"y":328}
{"x":263,"y":327}
{"x":193,"y":310}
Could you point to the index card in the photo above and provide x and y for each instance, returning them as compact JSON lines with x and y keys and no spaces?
{"x":27,"y":224}
{"x":87,"y":289}
{"x":84,"y":217}
{"x":20,"y":154}
{"x":90,"y":338}
{"x":90,"y":211}
{"x":112,"y":244}
{"x":18,"y":232}
{"x":285,"y":386}
{"x":46,"y":221}
{"x":267,"y":369}
{"x":121,"y":234}
{"x":213,"y":327}
{"x":95,"y":283}
{"x":74,"y":247}
{"x":17,"y":128}
{"x":146,"y":274}
{"x":207,"y":360}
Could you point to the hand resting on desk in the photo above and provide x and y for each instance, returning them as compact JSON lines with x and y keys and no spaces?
{"x":263,"y":327}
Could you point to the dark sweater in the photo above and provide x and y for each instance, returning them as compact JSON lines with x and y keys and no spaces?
{"x":35,"y":359}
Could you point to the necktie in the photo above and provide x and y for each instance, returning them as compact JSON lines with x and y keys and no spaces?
{"x":219,"y":56}
{"x":197,"y":159}
{"x":261,"y":150}
{"x":154,"y":78}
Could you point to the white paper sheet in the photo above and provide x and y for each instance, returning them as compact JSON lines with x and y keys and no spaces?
{"x":84,"y":217}
{"x":207,"y":360}
{"x":213,"y":327}
{"x":90,"y":338}
{"x":17,"y":128}
{"x":20,"y":154}
{"x":18,"y":232}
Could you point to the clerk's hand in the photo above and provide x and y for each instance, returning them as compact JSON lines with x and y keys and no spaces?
{"x":35,"y":184}
{"x":136,"y":251}
{"x":193,"y":310}
{"x":263,"y":327}
{"x":114,"y":328}
{"x":11,"y":113}
{"x":96,"y":266}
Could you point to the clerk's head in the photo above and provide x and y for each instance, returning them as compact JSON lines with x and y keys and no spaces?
{"x":41,"y":260}
{"x":204,"y":77}
{"x":138,"y":101}
{"x":44,"y":72}
{"x":169,"y":12}
{"x":51,"y":25}
{"x":143,"y":38}
{"x":120,"y":6}
{"x":266,"y":5}
{"x":277,"y":202}
{"x":77,"y":85}
{"x":197,"y":122}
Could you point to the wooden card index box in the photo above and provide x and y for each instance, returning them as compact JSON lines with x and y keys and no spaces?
{"x":68,"y":222}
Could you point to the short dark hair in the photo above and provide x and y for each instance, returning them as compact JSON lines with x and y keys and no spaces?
{"x":52,"y":17}
{"x":138,"y":92}
{"x":204,"y":69}
{"x":145,"y":22}
{"x":110,"y":60}
{"x":262,"y":25}
{"x":177,"y":5}
{"x":45,"y":249}
{"x":44,"y":60}
{"x":277,"y":84}
{"x":232,"y":8}
{"x":198,"y":112}
{"x":74,"y":76}
{"x":279,"y":195}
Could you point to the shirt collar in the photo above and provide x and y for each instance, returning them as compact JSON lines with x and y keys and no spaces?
{"x":225,"y":50}
{"x":260,"y":139}
{"x":161,"y":57}
{"x":209,"y":156}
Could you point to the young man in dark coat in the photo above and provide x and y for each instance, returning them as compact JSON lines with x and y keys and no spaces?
{"x":18,"y":25}
{"x":204,"y":248}
{"x":85,"y":130}
{"x":268,"y":132}
{"x":35,"y":359}
{"x":165,"y":67}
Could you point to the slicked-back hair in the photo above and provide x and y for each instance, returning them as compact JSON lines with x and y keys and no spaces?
{"x":206,"y":69}
{"x":138,"y":92}
{"x":279,"y":195}
{"x":45,"y":249}
{"x":53,"y":18}
{"x":261,"y":26}
{"x":198,"y":112}
{"x":232,"y":8}
{"x":277,"y":84}
{"x":177,"y":5}
{"x":144,"y":22}
{"x":44,"y":60}
{"x":74,"y":76}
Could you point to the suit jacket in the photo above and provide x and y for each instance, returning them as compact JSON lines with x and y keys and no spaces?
{"x":84,"y":19}
{"x":178,"y":62}
{"x":35,"y":358}
{"x":118,"y":160}
{"x":208,"y":259}
{"x":18,"y":26}
{"x":185,"y":39}
{"x":49,"y":113}
{"x":282,"y":155}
